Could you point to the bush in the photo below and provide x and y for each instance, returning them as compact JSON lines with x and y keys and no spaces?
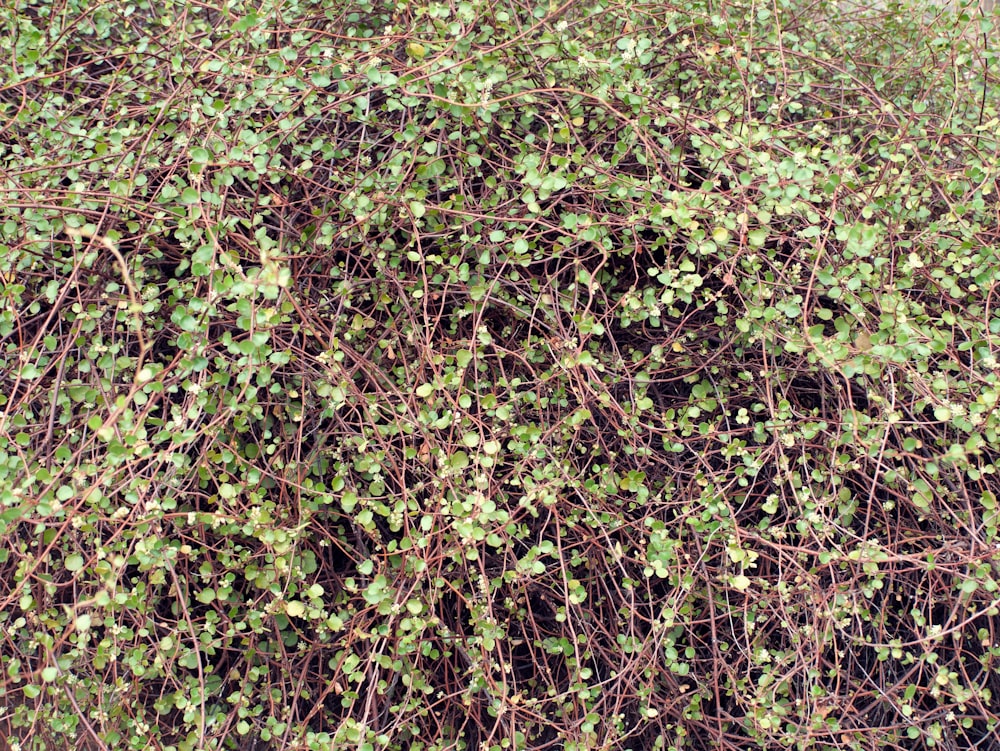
{"x":495,"y":375}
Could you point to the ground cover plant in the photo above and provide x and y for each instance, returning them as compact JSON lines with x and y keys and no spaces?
{"x":498,"y":375}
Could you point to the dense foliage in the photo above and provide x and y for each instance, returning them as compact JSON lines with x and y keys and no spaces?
{"x":490,"y":375}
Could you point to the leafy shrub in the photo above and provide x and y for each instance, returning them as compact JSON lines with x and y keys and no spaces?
{"x":493,"y":375}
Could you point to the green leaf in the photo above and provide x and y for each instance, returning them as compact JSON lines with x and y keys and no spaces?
{"x":247,"y":22}
{"x":740,"y":582}
{"x":348,"y":501}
